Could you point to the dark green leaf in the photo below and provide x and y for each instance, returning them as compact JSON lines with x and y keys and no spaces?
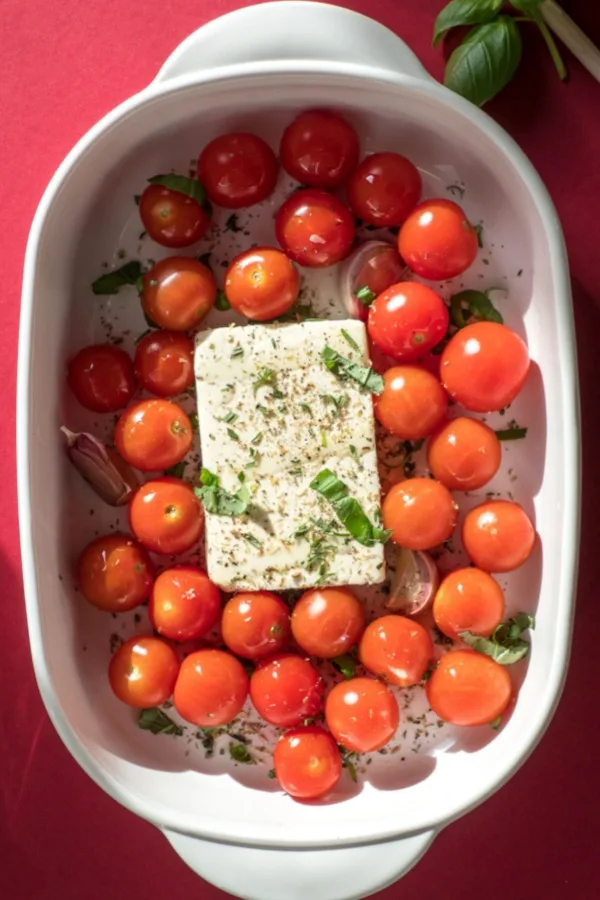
{"x":233,"y":434}
{"x":218,"y":501}
{"x":191,"y":187}
{"x":252,"y":540}
{"x":271,"y":773}
{"x":347,"y":337}
{"x":229,"y":418}
{"x":478,"y":229}
{"x":478,"y":306}
{"x":156,"y":721}
{"x":237,"y":352}
{"x":533,"y":9}
{"x":176,"y":471}
{"x":222,"y":303}
{"x":505,"y":645}
{"x":118,"y":278}
{"x":365,"y":295}
{"x":485,"y":61}
{"x":265,"y":377}
{"x":513,"y":628}
{"x":345,"y":664}
{"x":241,"y":754}
{"x":344,"y":368}
{"x":348,"y":510}
{"x":464,"y":12}
{"x":511,"y":434}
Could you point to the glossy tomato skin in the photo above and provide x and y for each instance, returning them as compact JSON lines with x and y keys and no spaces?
{"x":362,"y":714}
{"x":286,"y":689}
{"x":314,"y":228}
{"x":468,"y":688}
{"x":211,"y":688}
{"x":319,"y":149}
{"x":171,"y":218}
{"x":307,"y":762}
{"x":184,"y":604}
{"x":237,"y":170}
{"x":102,"y":378}
{"x":153,"y":434}
{"x":464,"y":454}
{"x":328,"y":621}
{"x":384,"y":189}
{"x":437,"y":241}
{"x":468,"y":600}
{"x":407,"y":320}
{"x":164,"y":363}
{"x":412,"y":404}
{"x":142,"y":672}
{"x":115,"y":573}
{"x":397,"y":649}
{"x":166,"y":516}
{"x":420,"y":513}
{"x":382,"y":268}
{"x":262,"y":284}
{"x":178,"y":292}
{"x":498,"y":536}
{"x":255,"y":624}
{"x":484,"y":366}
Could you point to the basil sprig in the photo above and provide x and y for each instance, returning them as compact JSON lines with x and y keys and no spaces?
{"x":158,"y":722}
{"x":344,"y":368}
{"x":505,"y":645}
{"x":476,"y":304}
{"x":218,"y":501}
{"x":191,"y":187}
{"x":118,"y":278}
{"x":348,"y":509}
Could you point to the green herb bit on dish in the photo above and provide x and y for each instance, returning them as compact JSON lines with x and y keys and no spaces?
{"x":348,"y":509}
{"x":158,"y":722}
{"x":344,"y":369}
{"x":129,"y":274}
{"x":218,"y":501}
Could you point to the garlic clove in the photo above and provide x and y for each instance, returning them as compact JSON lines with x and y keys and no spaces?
{"x":102,"y":467}
{"x":414,"y":584}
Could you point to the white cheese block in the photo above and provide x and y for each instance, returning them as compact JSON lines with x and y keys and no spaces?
{"x":279,"y":434}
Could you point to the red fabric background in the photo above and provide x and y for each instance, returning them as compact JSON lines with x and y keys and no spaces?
{"x":64,"y":64}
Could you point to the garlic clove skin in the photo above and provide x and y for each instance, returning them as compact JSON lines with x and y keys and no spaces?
{"x":102,"y":467}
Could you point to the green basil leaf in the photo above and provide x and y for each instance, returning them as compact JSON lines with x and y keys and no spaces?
{"x":346,"y":664}
{"x":511,"y":434}
{"x":533,"y":9}
{"x":344,"y":368}
{"x":118,"y":278}
{"x":505,"y":645}
{"x":529,"y":7}
{"x":350,"y":340}
{"x":156,"y":721}
{"x":478,"y":305}
{"x":486,"y":60}
{"x":222,"y":303}
{"x":176,"y":471}
{"x":464,"y":12}
{"x":218,"y":501}
{"x":512,"y":629}
{"x":348,"y":509}
{"x":365,"y":295}
{"x":191,"y":187}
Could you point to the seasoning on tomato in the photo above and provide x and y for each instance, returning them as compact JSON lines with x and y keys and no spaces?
{"x":397,"y":649}
{"x":328,"y":621}
{"x":255,"y":624}
{"x":412,"y":404}
{"x":362,"y":714}
{"x":307,"y":762}
{"x":184,"y":604}
{"x":314,"y":228}
{"x":211,"y":688}
{"x":164,"y":363}
{"x":286,"y":689}
{"x":178,"y":292}
{"x":166,"y":516}
{"x":262,"y":284}
{"x":173,"y":210}
{"x":115,"y":573}
{"x":153,"y":434}
{"x":407,"y":320}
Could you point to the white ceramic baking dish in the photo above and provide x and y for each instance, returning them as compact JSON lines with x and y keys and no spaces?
{"x":252,"y":69}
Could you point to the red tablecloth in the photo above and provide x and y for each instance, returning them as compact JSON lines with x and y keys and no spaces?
{"x":63,"y":65}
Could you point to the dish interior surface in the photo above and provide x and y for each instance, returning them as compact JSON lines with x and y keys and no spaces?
{"x":432,"y":772}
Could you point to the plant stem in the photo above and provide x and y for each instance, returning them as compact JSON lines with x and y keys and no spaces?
{"x":554,"y":52}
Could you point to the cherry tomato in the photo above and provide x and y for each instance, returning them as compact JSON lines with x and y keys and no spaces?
{"x":498,"y":536}
{"x":102,"y":378}
{"x":319,"y":149}
{"x":420,"y":513}
{"x":166,"y":516}
{"x":327,"y":622}
{"x":142,"y":672}
{"x":437,"y":241}
{"x":184,"y":604}
{"x":384,"y":189}
{"x":464,"y":454}
{"x":468,"y":688}
{"x":171,"y":218}
{"x":468,"y":600}
{"x":362,"y":714}
{"x":262,"y":283}
{"x":286,"y":690}
{"x":237,"y":170}
{"x":115,"y":573}
{"x":412,"y":403}
{"x":307,"y":762}
{"x":314,"y":228}
{"x":407,"y":320}
{"x":153,"y":434}
{"x":484,"y":366}
{"x":178,"y":293}
{"x":255,"y":625}
{"x":211,"y":688}
{"x":164,"y":363}
{"x":371,"y":268}
{"x":396,"y":649}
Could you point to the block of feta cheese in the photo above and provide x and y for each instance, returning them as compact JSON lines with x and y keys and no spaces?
{"x":272,"y":416}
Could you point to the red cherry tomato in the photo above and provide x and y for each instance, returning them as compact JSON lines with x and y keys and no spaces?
{"x":464,"y":454}
{"x":362,"y":714}
{"x":468,"y":688}
{"x":384,"y":189}
{"x":327,"y":622}
{"x":484,"y":366}
{"x":498,"y":536}
{"x":211,"y":688}
{"x":115,"y":573}
{"x":164,"y":363}
{"x":237,"y":170}
{"x":255,"y":625}
{"x":142,"y":672}
{"x":102,"y":378}
{"x":319,"y":149}
{"x":468,"y":600}
{"x":171,"y":218}
{"x":286,"y":690}
{"x":184,"y":604}
{"x":166,"y":516}
{"x":396,"y":649}
{"x":178,"y":293}
{"x":307,"y":763}
{"x":420,"y":513}
{"x":412,"y":403}
{"x":371,"y":268}
{"x":262,"y":284}
{"x":314,"y":228}
{"x":408,"y":320}
{"x":153,"y":434}
{"x":437,"y":241}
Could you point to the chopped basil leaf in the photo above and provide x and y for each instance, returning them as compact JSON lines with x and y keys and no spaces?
{"x":156,"y":721}
{"x":176,"y":471}
{"x":344,"y":368}
{"x":253,"y":540}
{"x":191,"y":187}
{"x":193,"y":417}
{"x":218,"y":501}
{"x":350,"y":340}
{"x":505,"y":645}
{"x":222,"y":303}
{"x":241,"y":754}
{"x":229,"y":418}
{"x":346,"y":664}
{"x":233,"y":434}
{"x":348,"y":758}
{"x":348,"y":510}
{"x":118,"y":278}
{"x":365,"y":295}
{"x":514,"y":433}
{"x":265,"y":377}
{"x":239,"y":351}
{"x":478,"y":306}
{"x":257,"y":438}
{"x":323,"y":438}
{"x":478,"y":229}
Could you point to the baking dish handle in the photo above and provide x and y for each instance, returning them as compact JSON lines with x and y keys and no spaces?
{"x":291,"y":30}
{"x":257,"y":873}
